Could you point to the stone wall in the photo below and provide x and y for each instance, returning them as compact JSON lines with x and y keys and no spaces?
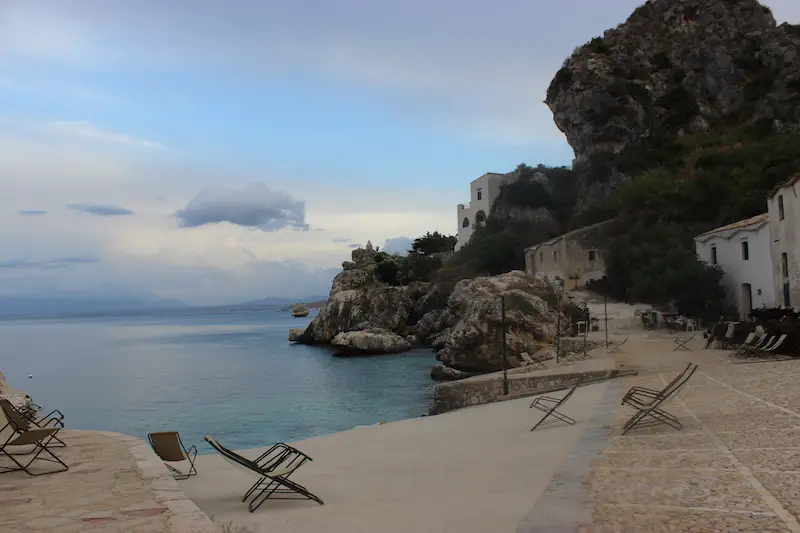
{"x":488,"y":388}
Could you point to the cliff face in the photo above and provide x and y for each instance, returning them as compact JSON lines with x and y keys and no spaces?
{"x":674,"y":67}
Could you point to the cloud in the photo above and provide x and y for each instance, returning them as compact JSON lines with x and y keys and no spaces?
{"x":354,"y":246}
{"x":87,"y":130}
{"x":47,"y":264}
{"x":101,"y":210}
{"x":253,"y":206}
{"x":341,"y":240}
{"x":31,"y":212}
{"x":397,"y":245}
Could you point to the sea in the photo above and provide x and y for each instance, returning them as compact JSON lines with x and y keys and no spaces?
{"x":230,"y":374}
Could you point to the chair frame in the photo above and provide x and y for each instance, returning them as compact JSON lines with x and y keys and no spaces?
{"x":190,"y":453}
{"x":681,"y":343}
{"x":549,"y":406}
{"x":530,"y":362}
{"x":614,"y":346}
{"x":22,"y":424}
{"x":767,"y":349}
{"x":273,"y":468}
{"x":648,"y":403}
{"x":39,"y":438}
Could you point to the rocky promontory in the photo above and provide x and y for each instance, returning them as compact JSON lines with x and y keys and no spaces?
{"x":461,"y":321}
{"x":674,"y":67}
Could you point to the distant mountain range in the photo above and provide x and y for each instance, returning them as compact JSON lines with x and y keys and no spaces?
{"x":28,"y":306}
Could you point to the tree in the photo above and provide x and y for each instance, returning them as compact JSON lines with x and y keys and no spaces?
{"x":433,"y":243}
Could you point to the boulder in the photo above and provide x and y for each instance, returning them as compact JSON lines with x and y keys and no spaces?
{"x":372,"y":341}
{"x":299,"y":310}
{"x":295,"y":334}
{"x":471,"y":325}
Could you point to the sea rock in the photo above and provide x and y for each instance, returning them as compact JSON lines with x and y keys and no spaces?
{"x":295,"y":334}
{"x":299,"y":310}
{"x":372,"y":341}
{"x":474,"y":323}
{"x":674,"y":67}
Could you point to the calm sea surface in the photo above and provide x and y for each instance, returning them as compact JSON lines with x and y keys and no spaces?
{"x":232,"y":375}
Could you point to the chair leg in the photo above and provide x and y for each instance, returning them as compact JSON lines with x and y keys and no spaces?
{"x":40,"y":448}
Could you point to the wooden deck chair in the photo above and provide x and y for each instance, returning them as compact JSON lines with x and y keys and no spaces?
{"x":616,"y":346}
{"x":30,"y":444}
{"x":648,"y":407}
{"x":767,"y":350}
{"x":273,"y":469}
{"x":24,"y":424}
{"x":751,"y":352}
{"x":170,"y":449}
{"x":549,"y":406}
{"x":743,"y":350}
{"x":531,"y":363}
{"x":750,"y":340}
{"x":682,"y":343}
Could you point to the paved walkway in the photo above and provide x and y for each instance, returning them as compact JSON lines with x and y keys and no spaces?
{"x":735,"y":466}
{"x":114,"y":484}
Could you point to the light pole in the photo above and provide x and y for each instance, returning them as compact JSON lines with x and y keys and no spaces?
{"x":503,"y":348}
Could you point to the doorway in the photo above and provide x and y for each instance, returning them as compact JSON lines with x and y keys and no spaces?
{"x":746,"y":306}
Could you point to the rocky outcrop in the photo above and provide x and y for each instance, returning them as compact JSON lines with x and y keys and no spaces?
{"x":295,"y":334}
{"x":674,"y":67}
{"x":372,"y":341}
{"x":471,"y":325}
{"x":461,"y":321}
{"x":299,"y":310}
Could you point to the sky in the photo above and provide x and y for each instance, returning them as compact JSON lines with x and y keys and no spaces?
{"x":216,"y":152}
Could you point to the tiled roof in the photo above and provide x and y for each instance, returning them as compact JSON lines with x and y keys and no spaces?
{"x":742,"y":224}
{"x":788,"y":183}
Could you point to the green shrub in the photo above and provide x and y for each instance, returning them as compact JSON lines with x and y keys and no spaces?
{"x":598,"y":46}
{"x":380,"y":257}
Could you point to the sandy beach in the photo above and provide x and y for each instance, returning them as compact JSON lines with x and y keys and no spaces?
{"x":475,"y":470}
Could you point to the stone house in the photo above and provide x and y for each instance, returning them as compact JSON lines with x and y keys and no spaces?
{"x":483,"y":192}
{"x":742,"y":250}
{"x":783,"y":206}
{"x":575,"y":257}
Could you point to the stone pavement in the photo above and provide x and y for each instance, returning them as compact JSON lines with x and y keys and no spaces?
{"x":115,"y":483}
{"x":734,"y":467}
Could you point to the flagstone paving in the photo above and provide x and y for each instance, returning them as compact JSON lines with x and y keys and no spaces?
{"x":734,"y":467}
{"x":114,"y":484}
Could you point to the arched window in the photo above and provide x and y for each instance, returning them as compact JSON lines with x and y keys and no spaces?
{"x":480,"y":217}
{"x":465,"y":223}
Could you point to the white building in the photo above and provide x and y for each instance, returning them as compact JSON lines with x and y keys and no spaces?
{"x":482,"y":194}
{"x":784,"y":227}
{"x":742,"y":250}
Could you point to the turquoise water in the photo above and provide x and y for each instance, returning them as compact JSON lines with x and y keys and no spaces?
{"x":231,"y":375}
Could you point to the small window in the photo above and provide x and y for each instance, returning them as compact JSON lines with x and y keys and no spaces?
{"x":555,"y":255}
{"x":480,"y":194}
{"x":745,"y":251}
{"x":465,"y":223}
{"x":780,"y":207}
{"x":541,"y":256}
{"x":713,"y":255}
{"x":592,"y":255}
{"x":785,"y":265}
{"x":787,"y":300}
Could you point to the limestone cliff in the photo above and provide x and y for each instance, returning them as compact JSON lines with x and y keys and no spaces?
{"x":675,"y":67}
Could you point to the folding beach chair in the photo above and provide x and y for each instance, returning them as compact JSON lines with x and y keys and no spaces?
{"x":743,"y":350}
{"x":30,"y":444}
{"x":31,"y":412}
{"x":549,"y":406}
{"x":681,"y":344}
{"x":768,"y":349}
{"x":24,"y":424}
{"x":531,"y":363}
{"x":616,"y":346}
{"x":648,"y":403}
{"x":169,"y":448}
{"x":750,"y":340}
{"x":273,"y":469}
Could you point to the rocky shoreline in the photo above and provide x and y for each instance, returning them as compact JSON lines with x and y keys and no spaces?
{"x":462,"y":322}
